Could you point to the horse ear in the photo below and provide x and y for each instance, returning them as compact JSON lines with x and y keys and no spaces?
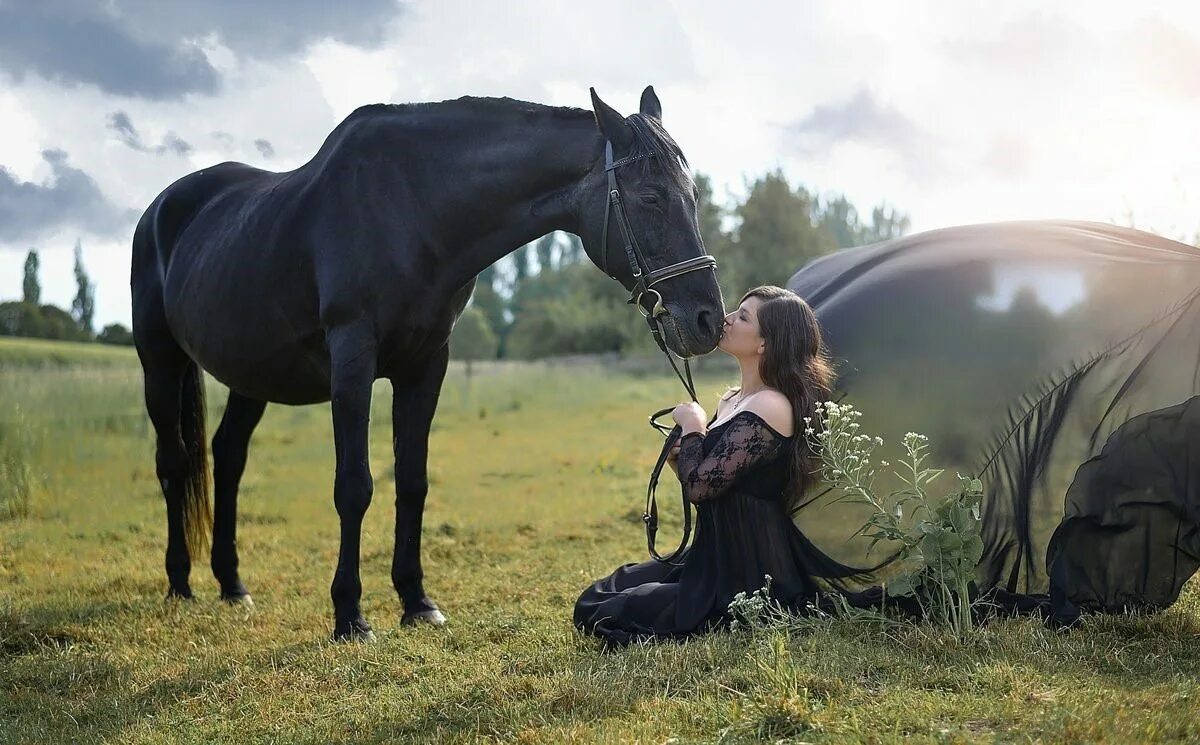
{"x":611,"y":124}
{"x":650,"y":105}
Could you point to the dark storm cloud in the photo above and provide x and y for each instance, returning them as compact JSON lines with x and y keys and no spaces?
{"x":120,"y":123}
{"x":265,"y":148}
{"x":69,"y":197}
{"x":79,"y":47}
{"x":147,"y":48}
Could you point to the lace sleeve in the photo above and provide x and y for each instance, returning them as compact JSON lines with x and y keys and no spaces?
{"x":746,"y":441}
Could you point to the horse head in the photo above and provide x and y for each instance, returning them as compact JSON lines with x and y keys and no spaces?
{"x":639,"y":225}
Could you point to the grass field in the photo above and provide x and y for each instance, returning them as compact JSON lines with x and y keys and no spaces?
{"x":537,"y":474}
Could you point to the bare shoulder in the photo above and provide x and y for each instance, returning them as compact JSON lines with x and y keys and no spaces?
{"x":774,"y":408}
{"x":724,"y":399}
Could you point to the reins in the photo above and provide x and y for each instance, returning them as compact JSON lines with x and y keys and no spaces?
{"x":644,"y":281}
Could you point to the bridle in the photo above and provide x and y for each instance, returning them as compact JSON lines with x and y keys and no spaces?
{"x":644,"y":280}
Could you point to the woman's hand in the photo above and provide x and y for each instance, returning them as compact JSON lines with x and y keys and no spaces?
{"x":673,"y":459}
{"x":690,"y":416}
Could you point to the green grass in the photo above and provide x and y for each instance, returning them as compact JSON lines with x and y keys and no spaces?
{"x":537,"y":474}
{"x":42,"y":353}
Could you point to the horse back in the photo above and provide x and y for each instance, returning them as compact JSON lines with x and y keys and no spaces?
{"x":175,"y":208}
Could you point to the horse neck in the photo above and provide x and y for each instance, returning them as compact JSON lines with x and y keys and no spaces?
{"x":515,"y":177}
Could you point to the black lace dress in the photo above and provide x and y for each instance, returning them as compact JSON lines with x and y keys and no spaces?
{"x":736,"y":475}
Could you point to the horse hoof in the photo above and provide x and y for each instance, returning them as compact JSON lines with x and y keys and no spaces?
{"x":355,"y":631}
{"x":245,"y":601}
{"x":355,"y":637}
{"x":174,"y":594}
{"x":432,"y":617}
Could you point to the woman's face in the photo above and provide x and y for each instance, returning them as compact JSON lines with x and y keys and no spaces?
{"x":739,"y":334}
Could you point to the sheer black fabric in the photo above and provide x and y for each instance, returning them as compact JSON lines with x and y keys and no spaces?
{"x":736,"y":474}
{"x":1059,"y":361}
{"x":747,"y":443}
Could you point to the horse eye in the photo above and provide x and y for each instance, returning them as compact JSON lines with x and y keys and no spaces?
{"x":650,"y":198}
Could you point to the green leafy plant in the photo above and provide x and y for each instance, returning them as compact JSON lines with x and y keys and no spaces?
{"x":939,"y":543}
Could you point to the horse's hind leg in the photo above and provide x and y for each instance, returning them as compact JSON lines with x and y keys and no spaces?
{"x":413,"y":406}
{"x":229,"y":448}
{"x":175,"y":402}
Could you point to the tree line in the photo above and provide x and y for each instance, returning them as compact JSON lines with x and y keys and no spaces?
{"x":30,"y":317}
{"x":547,"y":299}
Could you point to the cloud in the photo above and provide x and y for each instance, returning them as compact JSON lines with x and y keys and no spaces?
{"x":119,"y":122}
{"x":74,"y":49}
{"x":861,"y":118}
{"x":865,"y":120}
{"x":155,"y":50}
{"x":69,"y":197}
{"x":265,"y":148}
{"x":173,"y":143}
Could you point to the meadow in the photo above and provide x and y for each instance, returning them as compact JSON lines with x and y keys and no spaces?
{"x":537,"y":478}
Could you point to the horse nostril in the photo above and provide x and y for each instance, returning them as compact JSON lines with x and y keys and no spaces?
{"x":705,"y":321}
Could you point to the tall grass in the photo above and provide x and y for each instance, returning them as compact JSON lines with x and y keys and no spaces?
{"x":17,"y":476}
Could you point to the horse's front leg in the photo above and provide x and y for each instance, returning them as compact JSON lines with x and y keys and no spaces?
{"x":413,"y":406}
{"x":352,"y":352}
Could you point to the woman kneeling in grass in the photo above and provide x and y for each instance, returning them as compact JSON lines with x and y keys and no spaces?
{"x":746,"y":470}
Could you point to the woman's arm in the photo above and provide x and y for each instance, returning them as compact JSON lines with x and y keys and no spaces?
{"x":746,"y":441}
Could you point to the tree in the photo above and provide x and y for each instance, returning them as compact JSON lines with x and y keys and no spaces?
{"x":574,"y":310}
{"x":38,"y":322}
{"x":472,"y":338}
{"x":709,"y":217}
{"x":886,"y":224}
{"x":840,"y":219}
{"x":545,"y":251}
{"x":777,"y":234}
{"x":84,"y":305}
{"x":32,"y":287}
{"x":522,"y":264}
{"x":489,"y":301}
{"x":115,"y":333}
{"x":572,"y":252}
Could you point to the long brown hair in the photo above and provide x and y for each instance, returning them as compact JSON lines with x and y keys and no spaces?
{"x":796,"y":363}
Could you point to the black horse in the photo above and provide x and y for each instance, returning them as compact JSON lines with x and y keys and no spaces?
{"x":307,"y":286}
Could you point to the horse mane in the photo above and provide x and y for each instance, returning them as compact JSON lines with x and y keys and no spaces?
{"x":475,"y":105}
{"x":650,"y":138}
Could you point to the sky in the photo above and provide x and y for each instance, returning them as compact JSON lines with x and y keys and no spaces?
{"x":953,"y":112}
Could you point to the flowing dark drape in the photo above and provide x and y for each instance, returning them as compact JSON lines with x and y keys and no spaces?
{"x":1057,"y":360}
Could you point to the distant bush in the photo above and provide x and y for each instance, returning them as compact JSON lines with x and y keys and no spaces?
{"x":575,"y":310}
{"x":115,"y":333}
{"x":19,"y":318}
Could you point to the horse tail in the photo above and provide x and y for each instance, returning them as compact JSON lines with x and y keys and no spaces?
{"x":197,"y":503}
